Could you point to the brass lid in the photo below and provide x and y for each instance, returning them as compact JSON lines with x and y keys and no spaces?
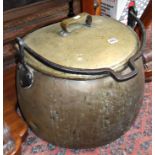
{"x":107,"y":43}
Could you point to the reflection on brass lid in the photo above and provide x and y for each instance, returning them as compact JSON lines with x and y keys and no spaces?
{"x":107,"y":43}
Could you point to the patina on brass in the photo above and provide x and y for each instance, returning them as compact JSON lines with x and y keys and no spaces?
{"x":81,"y":111}
{"x":81,"y":114}
{"x":85,"y":47}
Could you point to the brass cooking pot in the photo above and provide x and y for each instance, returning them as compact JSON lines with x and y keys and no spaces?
{"x":80,"y":82}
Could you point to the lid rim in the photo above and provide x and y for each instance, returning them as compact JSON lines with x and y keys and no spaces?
{"x":99,"y":71}
{"x":93,"y":50}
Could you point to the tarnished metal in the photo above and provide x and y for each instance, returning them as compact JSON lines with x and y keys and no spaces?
{"x":73,"y":103}
{"x":101,"y":72}
{"x":106,"y":44}
{"x":25,"y":76}
{"x":77,"y":22}
{"x":81,"y":114}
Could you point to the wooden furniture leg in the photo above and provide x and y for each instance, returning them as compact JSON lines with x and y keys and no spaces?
{"x":17,"y":126}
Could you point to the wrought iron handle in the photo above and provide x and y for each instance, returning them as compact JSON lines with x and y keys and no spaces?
{"x":101,"y":71}
{"x":25,"y":76}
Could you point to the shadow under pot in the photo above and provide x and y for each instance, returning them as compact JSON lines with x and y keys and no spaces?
{"x":80,"y":82}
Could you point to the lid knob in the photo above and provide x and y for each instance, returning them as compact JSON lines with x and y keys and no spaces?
{"x":71,"y":24}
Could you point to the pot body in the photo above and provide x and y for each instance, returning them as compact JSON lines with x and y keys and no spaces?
{"x":81,"y":113}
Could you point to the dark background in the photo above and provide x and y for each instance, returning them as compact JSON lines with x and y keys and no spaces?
{"x":10,"y":4}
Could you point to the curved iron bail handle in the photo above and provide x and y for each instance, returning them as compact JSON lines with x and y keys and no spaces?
{"x":117,"y":76}
{"x":25,"y":76}
{"x":131,"y":64}
{"x":101,"y":71}
{"x":20,"y":44}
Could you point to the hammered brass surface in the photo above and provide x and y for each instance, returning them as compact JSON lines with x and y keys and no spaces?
{"x":107,"y":43}
{"x":81,"y":114}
